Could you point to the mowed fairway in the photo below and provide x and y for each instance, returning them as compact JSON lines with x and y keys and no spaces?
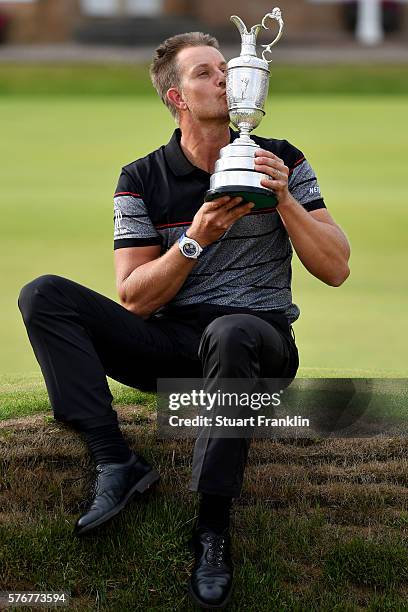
{"x":321,"y":523}
{"x":60,"y":159}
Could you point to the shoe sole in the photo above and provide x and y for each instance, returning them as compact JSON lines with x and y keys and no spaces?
{"x":141,"y":487}
{"x":207,"y":606}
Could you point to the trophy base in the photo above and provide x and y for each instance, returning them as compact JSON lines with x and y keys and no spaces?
{"x":262,"y":198}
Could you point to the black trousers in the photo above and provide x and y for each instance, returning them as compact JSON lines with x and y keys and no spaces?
{"x":79,"y":337}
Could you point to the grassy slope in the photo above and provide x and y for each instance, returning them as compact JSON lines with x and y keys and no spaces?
{"x":60,"y":162}
{"x":321,"y":524}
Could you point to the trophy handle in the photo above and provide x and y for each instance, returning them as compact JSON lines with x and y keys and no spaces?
{"x":276,"y":14}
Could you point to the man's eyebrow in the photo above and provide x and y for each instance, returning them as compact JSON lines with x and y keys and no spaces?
{"x":206,"y":64}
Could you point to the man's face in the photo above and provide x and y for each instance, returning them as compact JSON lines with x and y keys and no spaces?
{"x":202,"y":74}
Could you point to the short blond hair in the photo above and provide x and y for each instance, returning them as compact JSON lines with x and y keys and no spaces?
{"x":164,"y":71}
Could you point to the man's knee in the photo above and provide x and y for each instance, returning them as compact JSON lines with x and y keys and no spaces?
{"x":228,"y":332}
{"x":28,"y":299}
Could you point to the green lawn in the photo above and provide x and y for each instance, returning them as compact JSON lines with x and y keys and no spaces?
{"x":130,"y":80}
{"x":321,"y":524}
{"x":60,"y":159}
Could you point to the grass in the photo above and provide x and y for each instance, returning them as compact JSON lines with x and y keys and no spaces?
{"x":380,"y":402}
{"x":321,"y":524}
{"x":127,"y":80}
{"x":23,"y":395}
{"x":60,"y":161}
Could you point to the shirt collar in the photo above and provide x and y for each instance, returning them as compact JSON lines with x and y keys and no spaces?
{"x":175,"y":157}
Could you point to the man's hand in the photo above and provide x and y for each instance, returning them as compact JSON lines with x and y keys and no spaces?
{"x":213,"y":219}
{"x":272,"y":165}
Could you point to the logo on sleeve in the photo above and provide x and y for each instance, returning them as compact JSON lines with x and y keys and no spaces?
{"x":314,"y":190}
{"x":118,"y":219}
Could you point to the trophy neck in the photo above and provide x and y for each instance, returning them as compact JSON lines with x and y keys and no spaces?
{"x":244,"y":132}
{"x":244,"y":137}
{"x":248,"y":45}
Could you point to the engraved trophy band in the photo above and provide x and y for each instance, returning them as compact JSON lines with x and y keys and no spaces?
{"x":247,"y":85}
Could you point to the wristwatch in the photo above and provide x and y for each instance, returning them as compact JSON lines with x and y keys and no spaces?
{"x":189,"y":247}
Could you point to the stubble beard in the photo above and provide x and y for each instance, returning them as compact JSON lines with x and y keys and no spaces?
{"x":219,"y":113}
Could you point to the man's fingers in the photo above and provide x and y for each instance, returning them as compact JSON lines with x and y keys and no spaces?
{"x":273,"y":184}
{"x":269,"y":154}
{"x":241,"y":210}
{"x":233,"y":203}
{"x":226,"y":203}
{"x":218,"y":202}
{"x":275,"y":173}
{"x":233,"y":208}
{"x":262,"y":162}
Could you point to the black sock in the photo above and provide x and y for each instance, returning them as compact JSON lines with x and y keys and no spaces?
{"x":214,"y":512}
{"x":107,"y":444}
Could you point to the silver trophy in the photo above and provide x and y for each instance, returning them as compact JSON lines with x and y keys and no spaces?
{"x":247,"y":90}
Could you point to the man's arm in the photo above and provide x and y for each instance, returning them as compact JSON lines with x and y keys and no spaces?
{"x":318,"y":241}
{"x":145,"y":280}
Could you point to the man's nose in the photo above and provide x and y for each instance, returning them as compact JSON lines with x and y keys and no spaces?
{"x":221,"y":78}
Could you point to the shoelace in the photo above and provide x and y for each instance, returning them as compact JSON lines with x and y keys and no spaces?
{"x":95,"y":485}
{"x":216,"y":549}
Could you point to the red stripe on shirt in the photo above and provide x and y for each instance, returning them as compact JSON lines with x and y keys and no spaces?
{"x":137,"y":195}
{"x":262,"y":210}
{"x":255,"y":212}
{"x":173,"y":224}
{"x":299,"y":161}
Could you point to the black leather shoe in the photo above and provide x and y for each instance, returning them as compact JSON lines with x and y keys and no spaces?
{"x":211,"y":578}
{"x":114,"y":485}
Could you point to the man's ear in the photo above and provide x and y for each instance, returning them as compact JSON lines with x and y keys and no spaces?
{"x":176,"y":99}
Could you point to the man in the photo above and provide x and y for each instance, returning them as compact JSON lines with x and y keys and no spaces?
{"x":205,"y":289}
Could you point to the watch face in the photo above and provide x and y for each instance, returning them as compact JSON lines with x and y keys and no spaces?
{"x":189,"y":249}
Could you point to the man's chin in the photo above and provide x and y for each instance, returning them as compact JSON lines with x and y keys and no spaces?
{"x":222,"y":115}
{"x":215,"y":115}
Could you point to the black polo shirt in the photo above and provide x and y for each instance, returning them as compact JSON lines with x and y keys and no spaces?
{"x":250,"y":265}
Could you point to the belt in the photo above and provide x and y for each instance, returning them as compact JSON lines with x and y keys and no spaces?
{"x":203,"y":314}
